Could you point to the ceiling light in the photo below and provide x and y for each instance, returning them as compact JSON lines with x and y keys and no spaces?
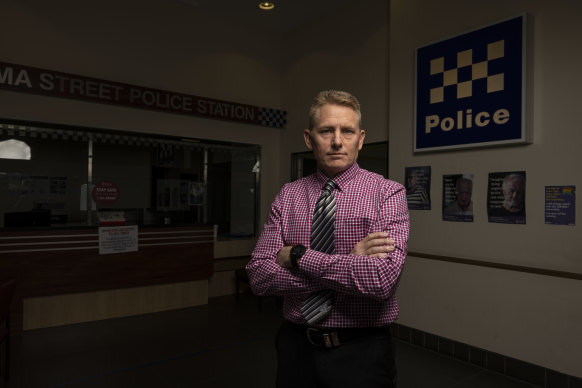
{"x":14,"y":149}
{"x":266,"y":5}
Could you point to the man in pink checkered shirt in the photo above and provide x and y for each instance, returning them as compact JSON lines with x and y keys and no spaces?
{"x":351,"y":346}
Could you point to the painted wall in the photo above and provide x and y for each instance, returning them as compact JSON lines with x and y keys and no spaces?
{"x":530,"y":317}
{"x":161,"y":44}
{"x":346,"y":50}
{"x":164,"y":44}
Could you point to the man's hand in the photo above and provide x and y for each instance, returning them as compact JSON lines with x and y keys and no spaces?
{"x":374,"y":245}
{"x":284,"y":257}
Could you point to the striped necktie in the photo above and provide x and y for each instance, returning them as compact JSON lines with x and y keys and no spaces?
{"x":318,"y":304}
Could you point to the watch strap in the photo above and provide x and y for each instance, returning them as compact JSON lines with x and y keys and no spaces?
{"x":296,"y":253}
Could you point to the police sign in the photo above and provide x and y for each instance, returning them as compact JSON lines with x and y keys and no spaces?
{"x":470,"y":89}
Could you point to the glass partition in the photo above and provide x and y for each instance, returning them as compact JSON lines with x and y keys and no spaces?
{"x":85,"y":177}
{"x":372,"y":157}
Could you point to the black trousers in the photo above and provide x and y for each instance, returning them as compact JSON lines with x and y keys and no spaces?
{"x":365,"y":361}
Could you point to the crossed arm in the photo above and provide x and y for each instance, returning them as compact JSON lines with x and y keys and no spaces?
{"x":377,"y":245}
{"x":371,"y":269}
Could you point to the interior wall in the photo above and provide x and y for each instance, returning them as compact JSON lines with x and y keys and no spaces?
{"x":346,"y":50}
{"x":530,"y":317}
{"x":161,"y":44}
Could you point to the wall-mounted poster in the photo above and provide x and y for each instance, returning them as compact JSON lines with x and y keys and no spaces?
{"x":173,"y":194}
{"x":560,"y":206}
{"x":197,"y":193}
{"x":165,"y":155}
{"x":470,"y":89}
{"x":418,"y":187}
{"x":458,"y":197}
{"x":506,"y":197}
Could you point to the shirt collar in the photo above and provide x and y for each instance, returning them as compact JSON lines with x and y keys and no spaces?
{"x":342,"y":179}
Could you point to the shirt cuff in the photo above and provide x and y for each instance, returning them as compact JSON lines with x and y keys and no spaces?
{"x":311,"y":263}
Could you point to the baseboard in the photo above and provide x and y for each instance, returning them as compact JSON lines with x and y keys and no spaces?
{"x":521,"y":370}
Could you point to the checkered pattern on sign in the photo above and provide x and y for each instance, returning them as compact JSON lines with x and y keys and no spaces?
{"x":272,"y":117}
{"x":168,"y":145}
{"x":495,"y":82}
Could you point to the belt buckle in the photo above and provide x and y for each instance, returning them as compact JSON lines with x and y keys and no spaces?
{"x":330,"y":340}
{"x":308,"y":332}
{"x":334,"y":339}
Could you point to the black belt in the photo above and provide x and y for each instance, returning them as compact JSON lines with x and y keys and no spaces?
{"x":334,"y":337}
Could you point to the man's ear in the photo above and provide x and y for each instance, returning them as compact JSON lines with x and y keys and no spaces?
{"x":307,"y":137}
{"x":362,"y":136}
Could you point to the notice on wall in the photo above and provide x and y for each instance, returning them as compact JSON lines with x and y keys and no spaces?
{"x":506,"y":197}
{"x":35,"y":186}
{"x":117,"y":239}
{"x":197,"y":193}
{"x":560,"y":206}
{"x":106,"y":193}
{"x":457,"y":197}
{"x":173,"y":194}
{"x":418,"y":187}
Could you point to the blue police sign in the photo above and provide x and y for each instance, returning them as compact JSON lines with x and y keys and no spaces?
{"x":470,"y":89}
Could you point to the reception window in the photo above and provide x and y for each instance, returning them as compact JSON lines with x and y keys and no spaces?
{"x":55,"y":176}
{"x":372,"y":157}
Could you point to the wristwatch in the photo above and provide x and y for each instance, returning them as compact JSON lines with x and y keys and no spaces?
{"x":297,"y":251}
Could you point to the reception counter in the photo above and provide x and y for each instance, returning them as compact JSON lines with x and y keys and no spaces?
{"x":62,"y":277}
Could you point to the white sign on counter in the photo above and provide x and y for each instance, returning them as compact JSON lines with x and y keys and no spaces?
{"x":117,"y":239}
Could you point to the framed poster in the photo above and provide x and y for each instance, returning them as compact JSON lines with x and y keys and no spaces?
{"x":458,"y":197}
{"x":506,"y":197}
{"x":560,"y":205}
{"x":172,"y":194}
{"x":197,"y":194}
{"x":418,"y":187}
{"x":470,"y":89}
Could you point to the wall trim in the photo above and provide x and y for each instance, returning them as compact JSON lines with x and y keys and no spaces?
{"x":508,"y":267}
{"x":505,"y":365}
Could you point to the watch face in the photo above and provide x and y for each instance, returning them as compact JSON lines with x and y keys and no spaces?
{"x":298,"y":251}
{"x":295,"y":251}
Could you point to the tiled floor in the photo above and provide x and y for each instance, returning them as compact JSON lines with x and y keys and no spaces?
{"x":222,"y":344}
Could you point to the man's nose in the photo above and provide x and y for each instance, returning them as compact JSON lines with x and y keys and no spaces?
{"x":336,"y":140}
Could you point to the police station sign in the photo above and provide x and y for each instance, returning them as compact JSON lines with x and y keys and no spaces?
{"x":19,"y":78}
{"x":470,"y":89}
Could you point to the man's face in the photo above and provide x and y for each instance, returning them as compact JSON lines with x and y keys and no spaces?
{"x":513,"y":195}
{"x":411,"y":182}
{"x":464,"y":192}
{"x":335,"y":139}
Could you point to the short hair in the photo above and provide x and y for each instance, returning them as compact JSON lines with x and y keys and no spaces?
{"x":511,"y":177}
{"x":335,"y":97}
{"x":461,"y":180}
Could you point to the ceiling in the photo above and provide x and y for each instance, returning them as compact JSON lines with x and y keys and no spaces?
{"x":287,"y":16}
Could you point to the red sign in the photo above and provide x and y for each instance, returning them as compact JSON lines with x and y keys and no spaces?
{"x":105,"y":193}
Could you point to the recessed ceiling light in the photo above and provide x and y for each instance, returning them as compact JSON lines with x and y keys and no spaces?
{"x":266,"y":5}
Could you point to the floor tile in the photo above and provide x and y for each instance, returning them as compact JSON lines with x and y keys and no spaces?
{"x":223,"y":344}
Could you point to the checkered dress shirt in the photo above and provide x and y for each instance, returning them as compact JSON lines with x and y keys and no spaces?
{"x":364,"y":286}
